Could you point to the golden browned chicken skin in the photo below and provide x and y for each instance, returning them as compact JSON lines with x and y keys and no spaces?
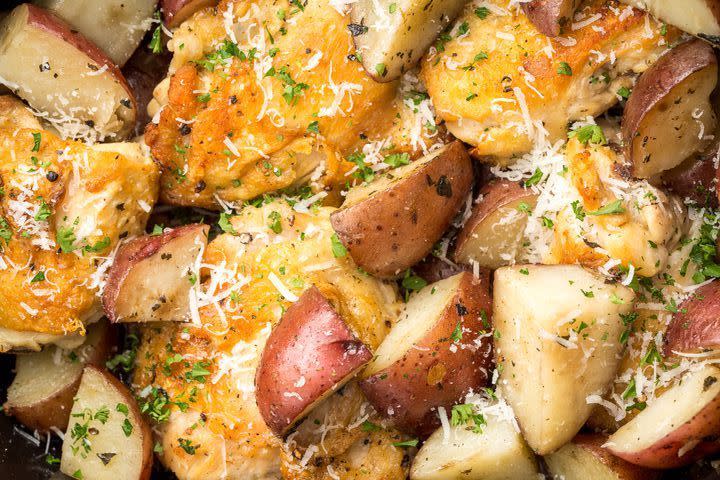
{"x":279,"y":109}
{"x":498,"y":75}
{"x":63,"y":209}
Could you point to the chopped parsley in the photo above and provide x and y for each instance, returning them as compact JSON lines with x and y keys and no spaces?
{"x":465,"y":413}
{"x":482,"y":12}
{"x":39,"y":277}
{"x":66,"y":239}
{"x":589,"y":134}
{"x":275,"y":221}
{"x":338,"y":249}
{"x":397,"y":159}
{"x":43,"y":212}
{"x":564,"y":69}
{"x":37,"y":139}
{"x":609,"y":209}
{"x":225,"y":224}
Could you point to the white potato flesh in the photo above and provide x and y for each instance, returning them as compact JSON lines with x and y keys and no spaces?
{"x":128,"y":20}
{"x":498,"y":240}
{"x":558,"y":330}
{"x":699,"y":17}
{"x":157,"y":288}
{"x":40,"y":374}
{"x":668,"y":415}
{"x":80,"y":94}
{"x":111,"y":449}
{"x":676,"y":127}
{"x":498,"y":453}
{"x":420,"y":314}
{"x":391,"y":35}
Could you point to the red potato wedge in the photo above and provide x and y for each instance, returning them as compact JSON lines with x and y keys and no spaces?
{"x":391,"y":40}
{"x":177,"y":11}
{"x":82,"y":91}
{"x":585,"y":458}
{"x":695,"y":179}
{"x":309,"y":355}
{"x":493,"y":236}
{"x":550,"y":16}
{"x":151,"y":277}
{"x":128,"y":20}
{"x":696,"y":325}
{"x":41,"y":394}
{"x":550,"y":320}
{"x":391,"y":223}
{"x":669,"y":114}
{"x":698,"y":17}
{"x":107,"y":437}
{"x":497,"y":453}
{"x":437,"y":352}
{"x":678,"y":428}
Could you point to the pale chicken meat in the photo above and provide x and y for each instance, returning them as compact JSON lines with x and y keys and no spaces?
{"x":64,"y":207}
{"x":198,"y":378}
{"x":498,"y":83}
{"x":267,"y":96}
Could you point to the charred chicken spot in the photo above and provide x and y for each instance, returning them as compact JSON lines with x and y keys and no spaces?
{"x":357,"y":29}
{"x":166,"y":256}
{"x":443,"y":187}
{"x":461,"y":309}
{"x":120,"y":206}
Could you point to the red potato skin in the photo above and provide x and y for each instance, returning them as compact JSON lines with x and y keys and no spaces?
{"x":404,"y":387}
{"x":133,"y":252}
{"x":549,"y":16}
{"x":657,"y":82}
{"x":664,"y":453}
{"x":309,"y":353}
{"x":433,"y":269}
{"x":495,"y":194}
{"x":55,"y":410}
{"x":44,"y":20}
{"x":593,"y":444}
{"x":177,"y":11}
{"x":695,"y":179}
{"x":696,"y":325}
{"x":132,"y":405}
{"x":385,"y":242}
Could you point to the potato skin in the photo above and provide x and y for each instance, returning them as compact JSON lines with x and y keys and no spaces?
{"x":664,"y":453}
{"x":54,"y":411}
{"x":134,"y":412}
{"x":432,"y":269}
{"x":404,"y":387}
{"x":657,"y":82}
{"x":133,"y":252}
{"x":177,"y":11}
{"x":495,"y":194}
{"x":695,"y":179}
{"x":44,"y":20}
{"x":696,"y":325}
{"x":592,"y":443}
{"x":393,"y":229}
{"x":310,"y":353}
{"x":549,"y":16}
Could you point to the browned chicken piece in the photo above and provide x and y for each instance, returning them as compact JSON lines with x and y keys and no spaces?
{"x":198,"y":378}
{"x":347,"y":438}
{"x":64,"y":207}
{"x":498,"y":82}
{"x":270,"y":100}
